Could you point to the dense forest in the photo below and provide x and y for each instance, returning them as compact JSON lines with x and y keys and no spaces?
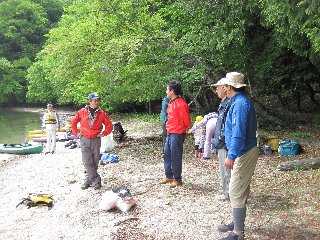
{"x":127,"y":50}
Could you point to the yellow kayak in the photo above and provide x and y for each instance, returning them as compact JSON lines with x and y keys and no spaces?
{"x":36,"y":132}
{"x":37,"y":135}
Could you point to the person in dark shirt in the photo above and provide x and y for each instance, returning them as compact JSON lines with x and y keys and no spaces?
{"x":219,"y":140}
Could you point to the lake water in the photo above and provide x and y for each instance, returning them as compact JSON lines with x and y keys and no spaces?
{"x":15,"y":124}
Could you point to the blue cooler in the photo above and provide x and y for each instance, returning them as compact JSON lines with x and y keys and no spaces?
{"x":289,"y":148}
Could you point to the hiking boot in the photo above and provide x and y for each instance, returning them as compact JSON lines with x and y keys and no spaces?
{"x":175,"y":183}
{"x":222,"y":198}
{"x":85,"y":186}
{"x":226,"y":227}
{"x":97,"y":186}
{"x":233,"y":236}
{"x":166,"y":180}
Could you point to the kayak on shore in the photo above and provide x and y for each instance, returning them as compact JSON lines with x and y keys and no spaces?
{"x":21,"y":148}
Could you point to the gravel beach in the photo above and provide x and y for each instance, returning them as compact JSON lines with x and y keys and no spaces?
{"x":187,"y":212}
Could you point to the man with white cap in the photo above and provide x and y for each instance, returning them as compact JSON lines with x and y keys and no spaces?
{"x":219,"y":140}
{"x":94,"y":125}
{"x":241,"y":141}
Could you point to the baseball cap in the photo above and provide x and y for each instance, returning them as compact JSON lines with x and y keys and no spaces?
{"x":93,"y":96}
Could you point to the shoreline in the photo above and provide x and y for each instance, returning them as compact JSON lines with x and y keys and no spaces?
{"x":39,"y":109}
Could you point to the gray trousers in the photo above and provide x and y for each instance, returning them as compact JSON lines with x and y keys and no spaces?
{"x":225,"y":174}
{"x":90,"y":149}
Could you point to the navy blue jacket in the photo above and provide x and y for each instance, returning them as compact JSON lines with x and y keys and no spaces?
{"x":219,"y":137}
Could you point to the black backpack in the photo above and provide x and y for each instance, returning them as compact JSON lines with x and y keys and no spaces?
{"x":118,"y":133}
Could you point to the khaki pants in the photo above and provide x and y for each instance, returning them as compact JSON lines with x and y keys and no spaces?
{"x":241,"y":175}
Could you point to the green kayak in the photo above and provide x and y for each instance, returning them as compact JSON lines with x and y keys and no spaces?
{"x":20,"y":148}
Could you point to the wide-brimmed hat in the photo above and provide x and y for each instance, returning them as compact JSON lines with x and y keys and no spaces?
{"x":234,"y":79}
{"x":219,"y":83}
{"x":93,"y":96}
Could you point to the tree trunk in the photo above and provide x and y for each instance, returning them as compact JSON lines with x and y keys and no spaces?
{"x":282,"y":101}
{"x":149,"y":107}
{"x":312,"y":94}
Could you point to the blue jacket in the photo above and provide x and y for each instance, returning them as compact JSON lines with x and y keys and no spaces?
{"x":241,"y":126}
{"x":164,"y":114}
{"x":219,"y":135}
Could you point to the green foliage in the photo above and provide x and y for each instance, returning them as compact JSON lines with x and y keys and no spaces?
{"x":105,"y":47}
{"x":295,"y":23}
{"x":128,"y":50}
{"x":39,"y":88}
{"x":286,"y":62}
{"x":6,"y":86}
{"x":54,"y":9}
{"x":23,"y":25}
{"x":200,"y":39}
{"x":12,"y":83}
{"x":299,"y":135}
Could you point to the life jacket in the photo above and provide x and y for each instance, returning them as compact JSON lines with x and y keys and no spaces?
{"x":35,"y":199}
{"x":50,"y":118}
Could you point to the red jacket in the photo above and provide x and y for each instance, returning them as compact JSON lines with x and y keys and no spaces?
{"x":101,"y":119}
{"x":178,"y":116}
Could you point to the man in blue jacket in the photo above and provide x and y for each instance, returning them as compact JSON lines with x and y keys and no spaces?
{"x":241,"y":141}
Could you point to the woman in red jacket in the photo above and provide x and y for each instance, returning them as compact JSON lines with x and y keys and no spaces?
{"x":92,"y":120}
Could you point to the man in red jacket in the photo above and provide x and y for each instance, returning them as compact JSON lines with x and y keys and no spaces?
{"x":92,"y":120}
{"x":177,"y":124}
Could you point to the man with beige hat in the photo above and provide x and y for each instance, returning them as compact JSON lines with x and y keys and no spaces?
{"x":242,"y":157}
